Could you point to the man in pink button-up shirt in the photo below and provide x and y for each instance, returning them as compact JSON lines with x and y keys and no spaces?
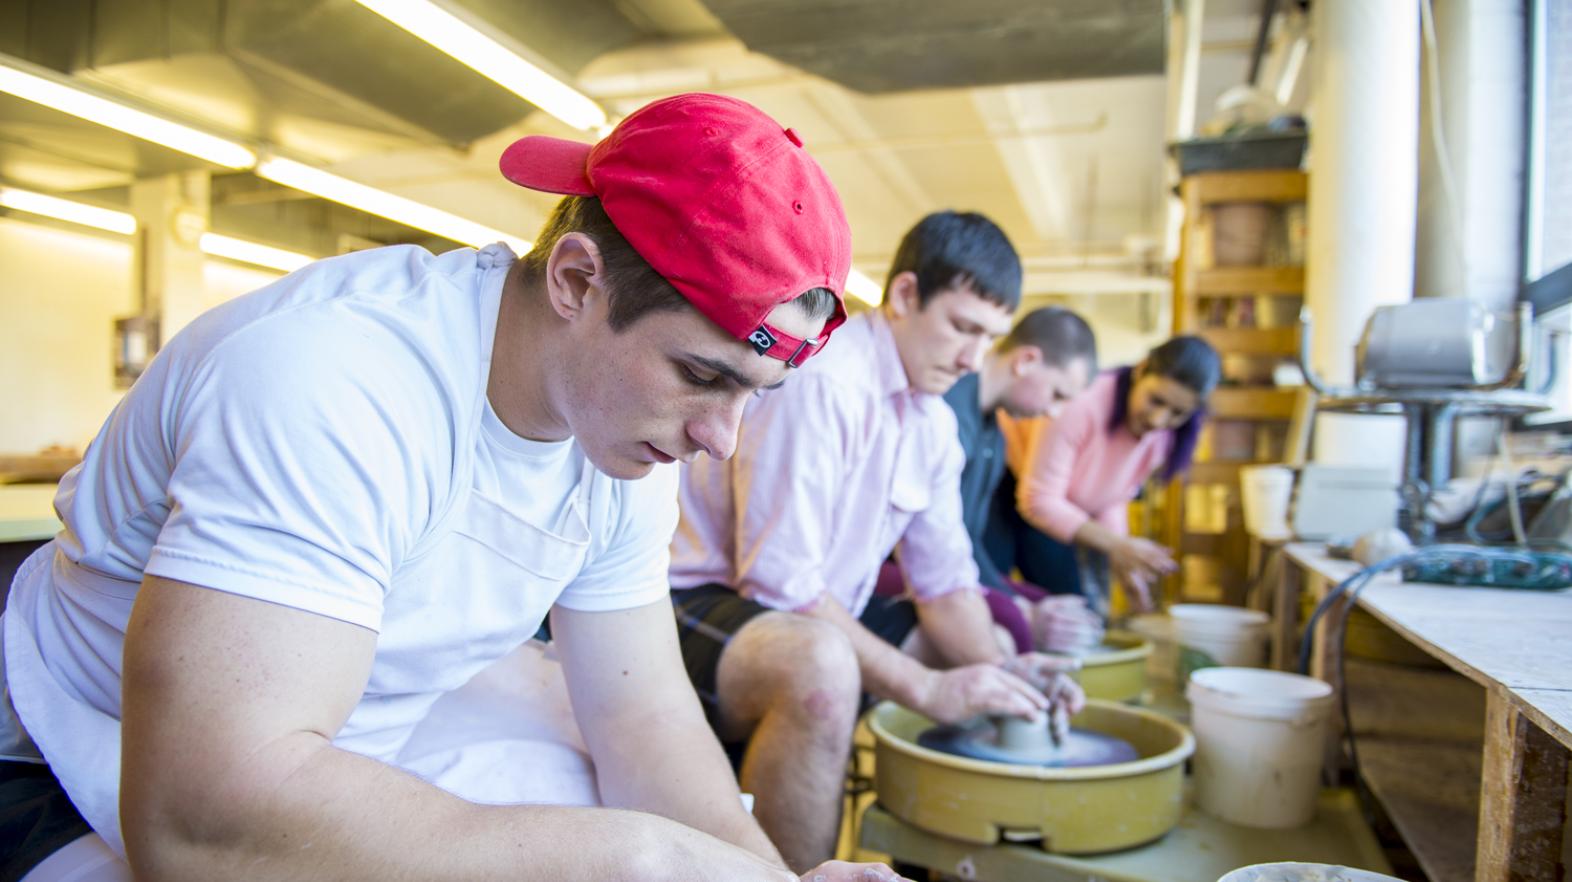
{"x":779,"y":547}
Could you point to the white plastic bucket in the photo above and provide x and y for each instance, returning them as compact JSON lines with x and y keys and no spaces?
{"x":1259,"y":742}
{"x":1292,"y":872}
{"x":1265,"y":492}
{"x":1211,"y":635}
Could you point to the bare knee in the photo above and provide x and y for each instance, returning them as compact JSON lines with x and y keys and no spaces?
{"x":786,"y":663}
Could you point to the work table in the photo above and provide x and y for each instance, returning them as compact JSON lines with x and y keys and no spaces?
{"x":1517,"y":645}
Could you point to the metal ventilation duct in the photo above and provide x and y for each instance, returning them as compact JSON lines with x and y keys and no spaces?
{"x":308,"y":56}
{"x":896,"y":45}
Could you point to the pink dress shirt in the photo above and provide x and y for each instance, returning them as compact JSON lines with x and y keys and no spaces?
{"x":1076,"y":470}
{"x":833,"y":470}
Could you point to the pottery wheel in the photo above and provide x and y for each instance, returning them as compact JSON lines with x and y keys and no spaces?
{"x":1081,"y":748}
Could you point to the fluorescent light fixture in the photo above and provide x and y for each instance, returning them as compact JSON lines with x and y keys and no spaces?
{"x":863,"y":288}
{"x":48,"y":88}
{"x":252,"y":252}
{"x":383,"y":204}
{"x":493,"y":55}
{"x":67,"y":210}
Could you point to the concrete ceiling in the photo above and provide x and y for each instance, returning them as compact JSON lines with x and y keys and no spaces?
{"x":1047,"y":115}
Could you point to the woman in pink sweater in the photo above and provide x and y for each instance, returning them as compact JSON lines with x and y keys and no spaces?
{"x":1082,"y":468}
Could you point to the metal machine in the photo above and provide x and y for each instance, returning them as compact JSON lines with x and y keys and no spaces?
{"x":1432,"y":361}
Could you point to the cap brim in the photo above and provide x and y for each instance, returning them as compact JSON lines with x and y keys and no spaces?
{"x":551,"y":165}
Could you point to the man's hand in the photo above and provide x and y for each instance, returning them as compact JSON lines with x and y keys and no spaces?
{"x":1139,"y":563}
{"x":958,"y":694}
{"x":841,"y":871}
{"x":1064,"y":623}
{"x":1051,"y":675}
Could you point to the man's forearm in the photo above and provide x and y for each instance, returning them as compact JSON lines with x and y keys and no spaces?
{"x":692,"y":784}
{"x":959,"y":627}
{"x":307,"y":810}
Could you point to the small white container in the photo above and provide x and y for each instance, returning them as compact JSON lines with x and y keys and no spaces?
{"x":1260,"y":737}
{"x":1265,"y":493}
{"x":1212,"y":635}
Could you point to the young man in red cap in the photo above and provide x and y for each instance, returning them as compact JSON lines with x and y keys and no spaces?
{"x":330,"y":502}
{"x":780,"y":547}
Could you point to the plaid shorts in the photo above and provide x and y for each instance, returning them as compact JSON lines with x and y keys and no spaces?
{"x":710,"y":615}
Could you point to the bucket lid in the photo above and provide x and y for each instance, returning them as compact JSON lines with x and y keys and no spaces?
{"x":1216,"y":620}
{"x":1294,"y":872}
{"x":1214,"y":613}
{"x":1253,"y":692}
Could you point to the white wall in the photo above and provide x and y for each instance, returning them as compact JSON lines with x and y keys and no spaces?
{"x":60,"y":292}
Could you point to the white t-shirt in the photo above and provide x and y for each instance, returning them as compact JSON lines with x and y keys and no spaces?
{"x":324,"y":443}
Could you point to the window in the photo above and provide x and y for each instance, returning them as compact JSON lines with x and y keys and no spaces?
{"x":1548,"y":249}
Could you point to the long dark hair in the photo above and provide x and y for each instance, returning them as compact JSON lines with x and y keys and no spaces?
{"x":1189,"y":361}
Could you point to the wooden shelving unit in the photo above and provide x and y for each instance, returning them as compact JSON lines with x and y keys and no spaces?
{"x":1249,"y":313}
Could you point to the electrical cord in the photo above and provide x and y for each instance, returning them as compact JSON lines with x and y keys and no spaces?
{"x":1352,"y":586}
{"x":1514,"y":505}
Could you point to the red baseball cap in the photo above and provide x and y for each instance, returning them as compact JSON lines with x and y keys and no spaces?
{"x":719,"y":199}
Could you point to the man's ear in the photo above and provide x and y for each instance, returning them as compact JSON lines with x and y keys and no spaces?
{"x":1023,"y":358}
{"x":575,"y":275}
{"x":903,"y":297}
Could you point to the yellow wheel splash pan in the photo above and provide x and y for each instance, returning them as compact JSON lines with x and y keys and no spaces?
{"x":1117,"y":672}
{"x":1073,"y":811}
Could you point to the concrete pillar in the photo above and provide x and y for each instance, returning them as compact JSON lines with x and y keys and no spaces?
{"x":172,"y":214}
{"x":1363,"y":182}
{"x":1470,"y":222}
{"x":1470,"y":233}
{"x":1183,"y":64}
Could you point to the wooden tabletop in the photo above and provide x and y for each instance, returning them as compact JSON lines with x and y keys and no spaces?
{"x":1519,"y":641}
{"x":27,"y":512}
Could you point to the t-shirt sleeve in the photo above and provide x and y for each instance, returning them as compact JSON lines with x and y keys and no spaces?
{"x":293,"y":477}
{"x":630,"y":566}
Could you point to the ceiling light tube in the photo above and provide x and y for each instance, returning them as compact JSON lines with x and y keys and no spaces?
{"x":492,"y":54}
{"x":383,"y":204}
{"x":52,"y":90}
{"x":104,"y":219}
{"x":252,"y":252}
{"x":863,"y":288}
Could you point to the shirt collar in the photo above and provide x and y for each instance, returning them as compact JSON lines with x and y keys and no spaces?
{"x":890,"y":374}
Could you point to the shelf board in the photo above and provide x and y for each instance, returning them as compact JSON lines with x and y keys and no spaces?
{"x":1248,"y":281}
{"x":1431,"y":793}
{"x":1225,"y":472}
{"x":1252,"y":341}
{"x":1263,"y":404}
{"x":1257,"y":185}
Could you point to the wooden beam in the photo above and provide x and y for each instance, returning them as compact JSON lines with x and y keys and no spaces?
{"x":1253,"y":341}
{"x":1256,"y":404}
{"x":1257,"y":185}
{"x":1522,"y":799}
{"x":1249,"y":281}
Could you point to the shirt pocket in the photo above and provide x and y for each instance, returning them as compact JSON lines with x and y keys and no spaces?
{"x":538,"y":554}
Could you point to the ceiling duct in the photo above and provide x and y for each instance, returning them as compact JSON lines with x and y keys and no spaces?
{"x":330,"y":59}
{"x":895,"y":45}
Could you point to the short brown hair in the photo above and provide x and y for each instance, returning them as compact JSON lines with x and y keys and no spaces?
{"x":1061,"y":336}
{"x":633,"y":288}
